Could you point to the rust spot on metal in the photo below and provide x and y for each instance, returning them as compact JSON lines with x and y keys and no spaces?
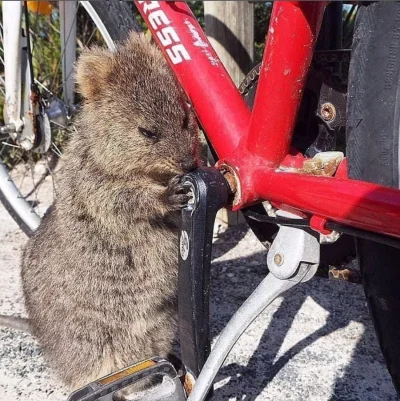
{"x":344,"y":274}
{"x":233,"y":181}
{"x":229,"y":177}
{"x":188,"y":383}
{"x":34,"y":97}
{"x":317,"y":167}
{"x":32,"y":117}
{"x":324,"y":163}
{"x":328,"y":112}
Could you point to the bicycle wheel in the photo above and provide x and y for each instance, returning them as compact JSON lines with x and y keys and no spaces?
{"x":28,"y":179}
{"x":373,"y":155}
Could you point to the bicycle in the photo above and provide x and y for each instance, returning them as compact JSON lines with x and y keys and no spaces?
{"x":40,"y":43}
{"x":313,"y":195}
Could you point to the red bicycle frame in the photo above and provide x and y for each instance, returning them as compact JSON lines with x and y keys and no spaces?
{"x":254,"y":146}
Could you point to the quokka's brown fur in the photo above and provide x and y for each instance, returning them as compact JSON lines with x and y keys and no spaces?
{"x":99,"y":276}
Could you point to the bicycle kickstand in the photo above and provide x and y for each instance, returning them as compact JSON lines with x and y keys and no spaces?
{"x":292,"y":259}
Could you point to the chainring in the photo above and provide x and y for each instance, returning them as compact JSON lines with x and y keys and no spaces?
{"x":329,"y":69}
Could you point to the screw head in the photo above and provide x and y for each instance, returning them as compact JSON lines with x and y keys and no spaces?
{"x":328,"y":112}
{"x":278,"y":259}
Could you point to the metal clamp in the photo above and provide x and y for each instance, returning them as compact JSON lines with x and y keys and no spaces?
{"x":298,"y":260}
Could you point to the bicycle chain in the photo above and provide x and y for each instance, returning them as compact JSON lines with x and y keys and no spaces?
{"x":324,"y":62}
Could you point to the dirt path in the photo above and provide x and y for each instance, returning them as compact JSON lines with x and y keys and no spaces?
{"x":314,"y":344}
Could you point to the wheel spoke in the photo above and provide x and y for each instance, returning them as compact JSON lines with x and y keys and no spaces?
{"x":31,"y":171}
{"x":38,"y":183}
{"x":53,"y":181}
{"x":66,"y":130}
{"x":56,"y":150}
{"x":11,"y":145}
{"x":2,"y":86}
{"x":36,"y":201}
{"x":87,"y":42}
{"x":3,"y":147}
{"x":59,"y":63}
{"x":44,"y":87}
{"x":23,"y":178}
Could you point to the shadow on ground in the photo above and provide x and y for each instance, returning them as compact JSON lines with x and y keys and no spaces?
{"x":362,"y":376}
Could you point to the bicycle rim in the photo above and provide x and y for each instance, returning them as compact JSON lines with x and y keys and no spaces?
{"x":28,"y":180}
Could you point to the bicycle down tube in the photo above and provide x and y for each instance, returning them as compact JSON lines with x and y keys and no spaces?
{"x":254,"y":146}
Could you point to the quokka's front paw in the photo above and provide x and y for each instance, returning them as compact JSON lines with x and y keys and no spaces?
{"x":177,"y":194}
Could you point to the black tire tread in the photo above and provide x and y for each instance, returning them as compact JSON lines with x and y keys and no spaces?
{"x":372,"y":150}
{"x":118,"y":18}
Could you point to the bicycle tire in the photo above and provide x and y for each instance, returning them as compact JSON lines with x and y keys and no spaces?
{"x":373,"y":155}
{"x":117,"y":17}
{"x":118,"y":20}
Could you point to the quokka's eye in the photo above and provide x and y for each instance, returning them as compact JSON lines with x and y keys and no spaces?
{"x":149,"y":134}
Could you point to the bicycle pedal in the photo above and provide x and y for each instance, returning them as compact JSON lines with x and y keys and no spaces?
{"x":105,"y":389}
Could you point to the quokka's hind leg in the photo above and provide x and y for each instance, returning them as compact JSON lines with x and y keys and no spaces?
{"x":77,"y":374}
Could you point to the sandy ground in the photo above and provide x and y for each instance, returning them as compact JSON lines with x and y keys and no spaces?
{"x":315,"y":343}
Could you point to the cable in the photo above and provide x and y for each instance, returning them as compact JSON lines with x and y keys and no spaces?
{"x":356,"y":232}
{"x":283,"y":221}
{"x":340,"y":228}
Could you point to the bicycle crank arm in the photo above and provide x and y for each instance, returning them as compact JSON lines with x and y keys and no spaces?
{"x":106,"y":388}
{"x":210,"y":192}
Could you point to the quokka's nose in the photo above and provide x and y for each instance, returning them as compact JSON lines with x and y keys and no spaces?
{"x":189,"y":163}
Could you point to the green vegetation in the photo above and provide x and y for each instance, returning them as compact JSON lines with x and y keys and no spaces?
{"x":46,"y":56}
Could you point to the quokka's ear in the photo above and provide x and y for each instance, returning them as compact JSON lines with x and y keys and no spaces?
{"x":92,"y":71}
